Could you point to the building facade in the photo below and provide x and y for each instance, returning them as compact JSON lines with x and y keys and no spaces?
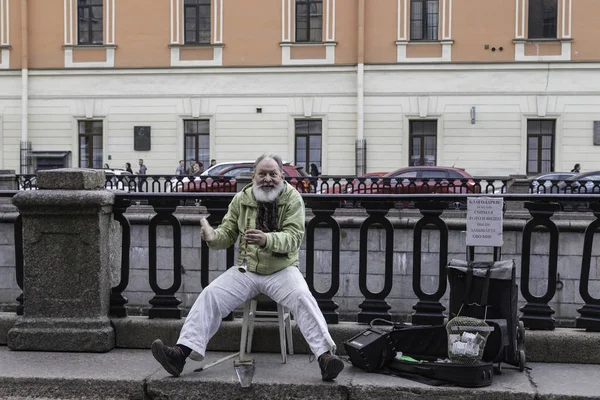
{"x":496,"y":87}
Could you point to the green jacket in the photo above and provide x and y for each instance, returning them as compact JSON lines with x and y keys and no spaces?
{"x":282,"y":247}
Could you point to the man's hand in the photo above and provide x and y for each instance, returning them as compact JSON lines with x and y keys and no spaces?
{"x":256,"y":236}
{"x":207,"y":233}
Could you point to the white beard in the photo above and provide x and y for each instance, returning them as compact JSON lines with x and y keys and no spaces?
{"x":267,"y":195}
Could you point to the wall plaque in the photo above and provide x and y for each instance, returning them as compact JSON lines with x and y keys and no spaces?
{"x":141,"y":138}
{"x":597,"y":133}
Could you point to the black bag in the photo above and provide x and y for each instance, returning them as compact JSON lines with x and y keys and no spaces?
{"x":479,"y":374}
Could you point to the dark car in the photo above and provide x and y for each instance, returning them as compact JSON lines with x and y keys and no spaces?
{"x":420,"y":179}
{"x":549,"y":182}
{"x":585,"y":182}
{"x":225,"y":180}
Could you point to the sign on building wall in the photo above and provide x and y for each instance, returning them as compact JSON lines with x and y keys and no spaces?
{"x":484,"y":221}
{"x":597,"y":133}
{"x":141,"y":138}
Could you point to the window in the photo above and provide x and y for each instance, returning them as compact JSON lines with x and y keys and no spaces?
{"x":308,"y":143}
{"x":540,"y":146}
{"x":197,"y":21}
{"x":424,"y":19}
{"x":89,"y":26}
{"x":542,"y":19}
{"x":309,"y":20}
{"x":90,"y":144}
{"x":197,"y":142}
{"x":423,"y":142}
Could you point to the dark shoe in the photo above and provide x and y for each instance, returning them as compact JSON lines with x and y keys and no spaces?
{"x":331,"y":366}
{"x":171,"y":358}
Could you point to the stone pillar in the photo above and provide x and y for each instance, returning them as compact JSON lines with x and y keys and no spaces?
{"x":242,"y":180}
{"x":7,"y":179}
{"x":517,"y":184}
{"x":66,"y":276}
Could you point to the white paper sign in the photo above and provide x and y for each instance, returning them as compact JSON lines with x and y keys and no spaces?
{"x":484,"y":221}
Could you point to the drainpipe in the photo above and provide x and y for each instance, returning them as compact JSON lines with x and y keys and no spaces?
{"x":361,"y":144}
{"x":24,"y":87}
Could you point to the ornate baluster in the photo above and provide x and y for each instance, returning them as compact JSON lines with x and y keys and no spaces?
{"x":590,"y":312}
{"x":429,"y":310}
{"x":537,"y":314}
{"x":18,"y":235}
{"x":117,"y":300}
{"x":323,"y":215}
{"x":164,"y":303}
{"x":375,"y":305}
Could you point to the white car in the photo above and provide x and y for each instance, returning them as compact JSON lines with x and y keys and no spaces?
{"x":125,"y":180}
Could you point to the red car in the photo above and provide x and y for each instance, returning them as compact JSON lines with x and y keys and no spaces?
{"x":419,"y":179}
{"x":366,"y":179}
{"x":225,"y":180}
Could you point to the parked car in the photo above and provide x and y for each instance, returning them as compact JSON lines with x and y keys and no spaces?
{"x":585,"y":182}
{"x":549,"y":182}
{"x":339,"y":187}
{"x":225,"y":180}
{"x":119,"y":179}
{"x":419,"y":179}
{"x":217,"y":168}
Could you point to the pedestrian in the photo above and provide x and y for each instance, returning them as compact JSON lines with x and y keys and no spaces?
{"x":106,"y":166}
{"x":198,"y":169}
{"x":314,"y":171}
{"x":276,"y":213}
{"x":576,"y":168}
{"x":180,"y":170}
{"x":190,"y":170}
{"x":142,"y":171}
{"x":213,"y":162}
{"x":128,"y":168}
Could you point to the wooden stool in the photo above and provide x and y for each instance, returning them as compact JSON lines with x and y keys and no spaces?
{"x":251,"y":315}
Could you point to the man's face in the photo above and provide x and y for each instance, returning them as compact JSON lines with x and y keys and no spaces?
{"x":268,"y":180}
{"x":141,"y":162}
{"x":181,"y":163}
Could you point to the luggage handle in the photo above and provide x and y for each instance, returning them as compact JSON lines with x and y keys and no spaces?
{"x":380,"y":320}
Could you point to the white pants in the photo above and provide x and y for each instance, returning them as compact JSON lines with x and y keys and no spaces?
{"x":233,"y":288}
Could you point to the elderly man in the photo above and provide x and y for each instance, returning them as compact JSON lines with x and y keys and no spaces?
{"x":275,"y":211}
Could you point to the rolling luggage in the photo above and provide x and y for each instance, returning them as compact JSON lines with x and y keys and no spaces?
{"x":488,"y":291}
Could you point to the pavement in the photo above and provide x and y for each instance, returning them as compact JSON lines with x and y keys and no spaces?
{"x":134,"y":374}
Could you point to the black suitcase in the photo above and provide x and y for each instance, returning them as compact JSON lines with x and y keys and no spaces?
{"x":488,"y":290}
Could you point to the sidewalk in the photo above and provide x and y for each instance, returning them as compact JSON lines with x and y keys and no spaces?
{"x":134,"y":374}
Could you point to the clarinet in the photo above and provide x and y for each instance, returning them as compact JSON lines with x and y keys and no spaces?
{"x":244,"y":267}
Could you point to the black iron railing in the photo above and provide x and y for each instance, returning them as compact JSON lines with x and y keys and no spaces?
{"x":536,"y":313}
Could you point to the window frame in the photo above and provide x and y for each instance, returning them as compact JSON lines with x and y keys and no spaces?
{"x":196,"y":135}
{"x":542,"y":20}
{"x":89,"y":135}
{"x":540,"y":147}
{"x":424,"y":21}
{"x":309,"y":17}
{"x":422,"y":135}
{"x":307,"y":159}
{"x":90,"y":4}
{"x":199,"y":4}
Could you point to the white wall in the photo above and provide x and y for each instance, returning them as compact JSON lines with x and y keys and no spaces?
{"x":504,"y":95}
